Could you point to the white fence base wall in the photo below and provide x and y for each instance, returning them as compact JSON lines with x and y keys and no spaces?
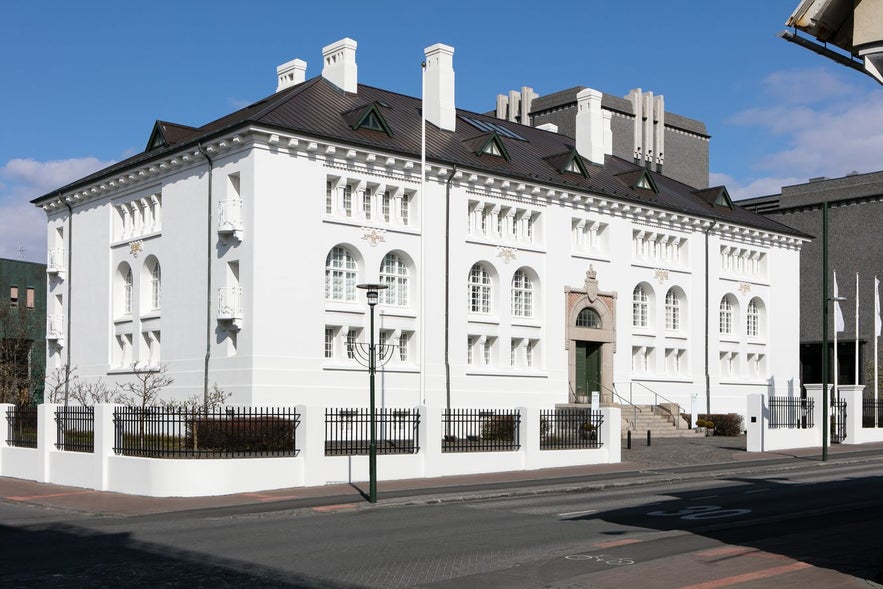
{"x":763,"y":438}
{"x":184,"y":477}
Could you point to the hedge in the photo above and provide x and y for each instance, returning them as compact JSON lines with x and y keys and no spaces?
{"x":725,"y":424}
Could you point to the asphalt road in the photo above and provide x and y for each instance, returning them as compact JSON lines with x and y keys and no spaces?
{"x":817,"y":527}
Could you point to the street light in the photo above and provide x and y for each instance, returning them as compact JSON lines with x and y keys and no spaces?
{"x":373,"y":293}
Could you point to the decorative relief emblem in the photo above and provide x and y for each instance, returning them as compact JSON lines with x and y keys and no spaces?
{"x":591,"y":283}
{"x":135,"y":247}
{"x":373,"y":236}
{"x":661,"y":275}
{"x":744,"y":287}
{"x":506,"y":253}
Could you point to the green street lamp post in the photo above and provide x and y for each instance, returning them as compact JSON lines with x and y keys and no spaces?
{"x":373,"y":294}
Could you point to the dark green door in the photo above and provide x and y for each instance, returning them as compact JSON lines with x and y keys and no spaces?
{"x":588,"y":367}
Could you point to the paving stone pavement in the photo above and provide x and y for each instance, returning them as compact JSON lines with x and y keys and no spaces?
{"x":684,"y":451}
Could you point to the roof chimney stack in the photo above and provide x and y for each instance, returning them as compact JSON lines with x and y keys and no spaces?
{"x":438,"y":97}
{"x":339,"y":67}
{"x":594,"y":138}
{"x":291,"y":73}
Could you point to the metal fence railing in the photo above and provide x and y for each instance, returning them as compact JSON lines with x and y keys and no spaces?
{"x":22,"y":427}
{"x":870,"y":407}
{"x":348,"y":431}
{"x":76,"y":428}
{"x":565,"y":429}
{"x":791,"y":412}
{"x":232,"y":432}
{"x":481,"y":430}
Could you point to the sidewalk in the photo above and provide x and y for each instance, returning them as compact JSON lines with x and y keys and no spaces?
{"x":666,"y":459}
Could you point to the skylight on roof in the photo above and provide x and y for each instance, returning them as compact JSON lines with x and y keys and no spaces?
{"x":488,"y":126}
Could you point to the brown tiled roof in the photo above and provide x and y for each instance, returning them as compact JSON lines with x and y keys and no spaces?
{"x":316,"y":108}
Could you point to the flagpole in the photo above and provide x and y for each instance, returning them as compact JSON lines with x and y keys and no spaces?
{"x":856,"y":329}
{"x":835,"y":392}
{"x":876,"y":337}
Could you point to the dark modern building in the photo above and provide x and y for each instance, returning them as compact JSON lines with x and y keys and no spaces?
{"x":22,"y":330}
{"x":855,"y":212}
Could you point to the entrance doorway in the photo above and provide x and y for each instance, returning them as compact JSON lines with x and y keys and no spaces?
{"x":588,"y":368}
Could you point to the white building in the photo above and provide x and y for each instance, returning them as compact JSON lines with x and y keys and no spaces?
{"x":529,"y":268}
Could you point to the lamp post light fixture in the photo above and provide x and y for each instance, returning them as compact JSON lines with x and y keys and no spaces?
{"x":373,"y":294}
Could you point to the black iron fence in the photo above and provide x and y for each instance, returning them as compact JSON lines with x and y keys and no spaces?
{"x":791,"y":412}
{"x":76,"y":428}
{"x":232,"y":432}
{"x":565,"y":429}
{"x":22,"y":427}
{"x":348,"y":431}
{"x":481,"y":430}
{"x":870,"y":409}
{"x":838,"y":421}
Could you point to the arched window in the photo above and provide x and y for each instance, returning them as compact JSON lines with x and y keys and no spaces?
{"x":394,"y":274}
{"x":479,"y":290}
{"x":588,"y":318}
{"x":640,"y":304}
{"x":726,"y":316}
{"x":127,"y":290}
{"x":340,"y":275}
{"x":522,"y":295}
{"x":155,"y":286}
{"x":752,"y":319}
{"x":672,"y":310}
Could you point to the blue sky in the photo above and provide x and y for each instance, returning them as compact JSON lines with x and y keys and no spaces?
{"x":84,"y":81}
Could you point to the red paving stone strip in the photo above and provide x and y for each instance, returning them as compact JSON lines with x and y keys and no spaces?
{"x":614,"y":543}
{"x":49,"y":496}
{"x":747,"y":577}
{"x":338,"y":507}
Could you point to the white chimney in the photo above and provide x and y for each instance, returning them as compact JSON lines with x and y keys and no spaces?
{"x":438,"y":97}
{"x":548,"y":127}
{"x":291,"y":73}
{"x":339,"y":67}
{"x":593,"y":130}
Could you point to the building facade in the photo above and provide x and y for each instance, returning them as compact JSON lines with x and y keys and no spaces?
{"x":855,"y":207}
{"x":22,"y":331}
{"x":524,"y":267}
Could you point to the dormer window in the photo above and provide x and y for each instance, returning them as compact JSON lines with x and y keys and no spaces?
{"x":568,"y":163}
{"x":368,"y":117}
{"x":638,"y":180}
{"x":488,"y":144}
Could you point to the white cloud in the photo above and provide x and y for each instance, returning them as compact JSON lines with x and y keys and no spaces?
{"x":22,"y":225}
{"x":819,"y":124}
{"x":756,"y":187}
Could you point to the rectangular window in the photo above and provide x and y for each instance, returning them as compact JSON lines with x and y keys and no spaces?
{"x":530,"y":228}
{"x":329,"y":197}
{"x":513,"y":352}
{"x":366,"y":203}
{"x":470,"y":350}
{"x":30,"y":298}
{"x":530,"y":352}
{"x":500,"y":225}
{"x":514,"y":221}
{"x":404,"y":208}
{"x":488,"y":350}
{"x":484,"y":221}
{"x":13,"y":296}
{"x":404,"y":338}
{"x":386,"y":199}
{"x":351,"y":337}
{"x":329,"y":342}
{"x":348,"y":200}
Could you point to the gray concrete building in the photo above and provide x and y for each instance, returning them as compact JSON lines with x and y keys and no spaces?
{"x":855,"y":211}
{"x":642,"y":130}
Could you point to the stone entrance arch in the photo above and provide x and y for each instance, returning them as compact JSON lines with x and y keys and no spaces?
{"x":590,"y":346}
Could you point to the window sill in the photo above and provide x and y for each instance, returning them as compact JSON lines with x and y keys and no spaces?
{"x":155,"y":314}
{"x":484,"y":319}
{"x":127,"y":240}
{"x":595,"y":256}
{"x":496,"y":371}
{"x":123,"y":319}
{"x":371,"y":224}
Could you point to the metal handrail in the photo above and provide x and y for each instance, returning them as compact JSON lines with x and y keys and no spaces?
{"x":635,"y":408}
{"x":656,"y":397}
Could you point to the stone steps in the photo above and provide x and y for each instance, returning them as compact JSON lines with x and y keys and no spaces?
{"x":656,"y":421}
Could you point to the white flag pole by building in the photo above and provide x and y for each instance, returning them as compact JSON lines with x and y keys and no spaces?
{"x":856,"y":330}
{"x":838,"y":327}
{"x":878,"y":325}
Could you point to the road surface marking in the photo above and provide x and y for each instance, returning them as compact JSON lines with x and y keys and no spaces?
{"x":746,"y":577}
{"x":32,"y":497}
{"x":570,"y":513}
{"x":706,"y":497}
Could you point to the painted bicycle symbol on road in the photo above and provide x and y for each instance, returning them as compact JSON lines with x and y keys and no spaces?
{"x":602,"y":558}
{"x":701,"y":512}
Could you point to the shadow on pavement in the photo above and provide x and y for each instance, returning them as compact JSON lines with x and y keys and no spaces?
{"x":68,"y":556}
